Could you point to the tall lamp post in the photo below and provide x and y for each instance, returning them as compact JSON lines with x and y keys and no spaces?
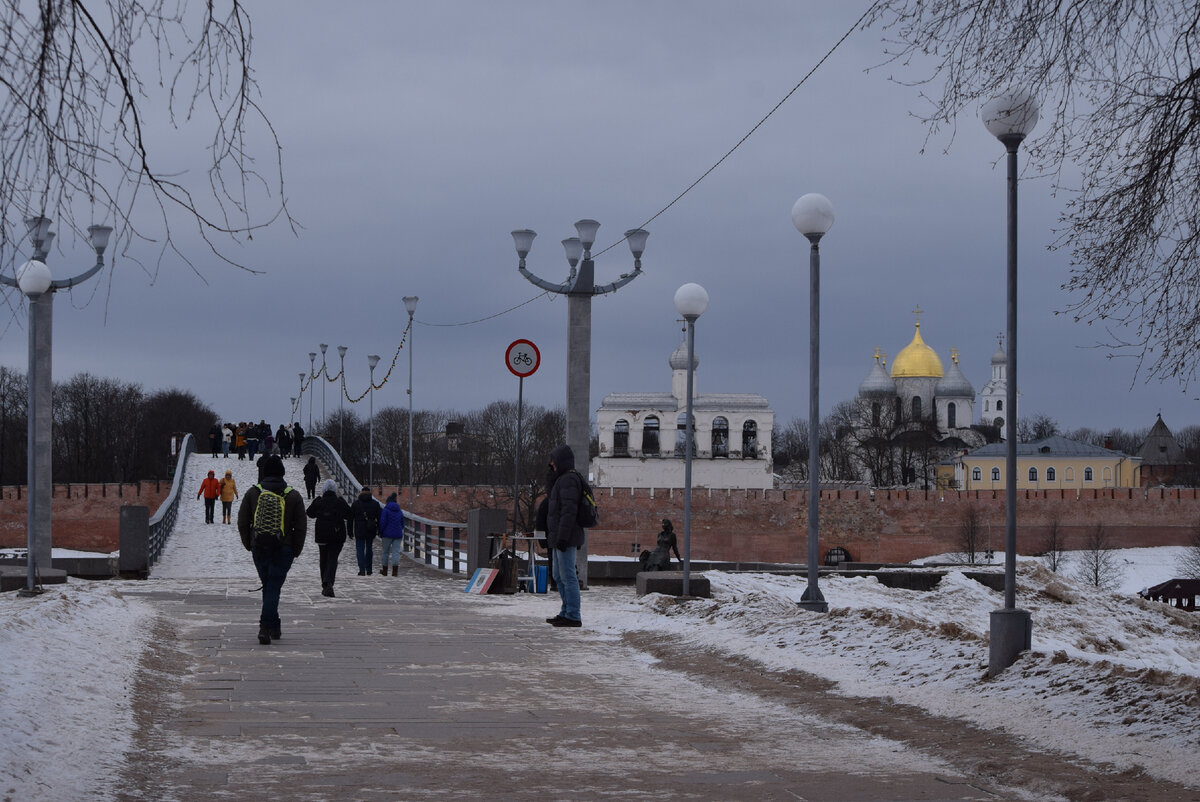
{"x":1010,"y":117}
{"x":372,"y":361}
{"x":579,"y":287}
{"x":812,"y":215}
{"x":325,"y":377}
{"x":341,"y":406}
{"x":292,"y":411}
{"x":690,"y":301}
{"x":300,"y":398}
{"x":410,"y":303}
{"x":35,"y":282}
{"x":312,"y":375}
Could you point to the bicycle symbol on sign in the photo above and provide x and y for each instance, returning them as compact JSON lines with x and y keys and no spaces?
{"x":522,"y":358}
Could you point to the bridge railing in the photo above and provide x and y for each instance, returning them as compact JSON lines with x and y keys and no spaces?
{"x":438,"y":544}
{"x":163,"y":521}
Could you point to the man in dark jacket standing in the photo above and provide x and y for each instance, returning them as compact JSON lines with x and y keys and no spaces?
{"x":365,"y":510}
{"x":272,"y":554}
{"x":564,"y":535}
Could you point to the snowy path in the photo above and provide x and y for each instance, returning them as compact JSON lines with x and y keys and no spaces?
{"x":196,"y":549}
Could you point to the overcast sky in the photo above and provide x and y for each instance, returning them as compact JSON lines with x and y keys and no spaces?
{"x":417,"y":135}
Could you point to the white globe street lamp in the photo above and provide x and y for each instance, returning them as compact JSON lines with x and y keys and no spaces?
{"x":35,"y":281}
{"x":690,"y":301}
{"x":812,"y":215}
{"x":1010,"y":117}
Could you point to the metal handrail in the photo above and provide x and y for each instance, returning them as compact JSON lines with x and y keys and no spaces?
{"x":425,"y":540}
{"x":163,"y":521}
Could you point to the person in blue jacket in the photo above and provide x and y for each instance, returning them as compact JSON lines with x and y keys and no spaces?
{"x":391,"y":534}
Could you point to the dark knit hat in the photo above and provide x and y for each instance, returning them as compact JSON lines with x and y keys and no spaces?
{"x":270,"y":466}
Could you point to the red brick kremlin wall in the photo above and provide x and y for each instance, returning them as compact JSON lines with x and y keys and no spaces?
{"x":83,"y":517}
{"x":768,"y":526}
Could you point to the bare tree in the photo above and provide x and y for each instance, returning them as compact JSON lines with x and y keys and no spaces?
{"x":1054,"y":545}
{"x":90,"y":93}
{"x":1098,"y":566}
{"x":1038,"y":427}
{"x":1119,"y":85}
{"x":970,"y":533}
{"x":1189,"y":562}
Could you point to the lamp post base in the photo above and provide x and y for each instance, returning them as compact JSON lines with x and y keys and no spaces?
{"x":813,"y":601}
{"x":1011,"y":634}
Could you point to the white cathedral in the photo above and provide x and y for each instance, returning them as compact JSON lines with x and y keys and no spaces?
{"x":920,"y":394}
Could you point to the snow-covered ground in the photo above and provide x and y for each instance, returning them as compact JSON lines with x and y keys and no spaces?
{"x":1111,"y":678}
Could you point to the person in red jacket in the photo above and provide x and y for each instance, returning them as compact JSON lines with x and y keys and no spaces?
{"x":210,"y":488}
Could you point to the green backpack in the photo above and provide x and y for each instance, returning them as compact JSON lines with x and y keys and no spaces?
{"x":268,"y":520}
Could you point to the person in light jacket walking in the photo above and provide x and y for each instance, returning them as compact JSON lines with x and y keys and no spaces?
{"x":391,"y":533}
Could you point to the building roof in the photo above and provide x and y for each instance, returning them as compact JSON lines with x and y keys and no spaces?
{"x":678,"y":358}
{"x":645,"y":402}
{"x":1054,"y":447}
{"x":877,"y":383}
{"x":917,"y":360}
{"x":954,"y":383}
{"x":1161,"y":447}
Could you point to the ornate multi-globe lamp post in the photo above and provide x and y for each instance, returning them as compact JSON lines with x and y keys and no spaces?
{"x":1010,"y":117}
{"x":36,"y":283}
{"x":410,"y":305}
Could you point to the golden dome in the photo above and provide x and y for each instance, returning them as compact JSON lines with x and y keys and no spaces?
{"x":917,"y":360}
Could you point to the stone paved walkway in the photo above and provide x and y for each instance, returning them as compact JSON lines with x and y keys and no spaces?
{"x":407,"y":688}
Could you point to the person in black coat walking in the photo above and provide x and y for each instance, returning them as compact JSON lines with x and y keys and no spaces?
{"x":312,"y":474}
{"x":331,"y":513}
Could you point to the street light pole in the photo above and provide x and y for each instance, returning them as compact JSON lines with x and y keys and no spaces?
{"x":580,"y":287}
{"x":300,"y":408}
{"x":1010,"y":117}
{"x":372,"y":361}
{"x":410,"y":304}
{"x":690,"y":301}
{"x":324,"y":381}
{"x":341,"y":405}
{"x":35,"y":282}
{"x":812,"y":215}
{"x":312,"y":375}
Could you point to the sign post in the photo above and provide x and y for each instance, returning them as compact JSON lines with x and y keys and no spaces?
{"x":522,"y":359}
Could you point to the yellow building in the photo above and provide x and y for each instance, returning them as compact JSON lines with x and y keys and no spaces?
{"x":1053,"y":463}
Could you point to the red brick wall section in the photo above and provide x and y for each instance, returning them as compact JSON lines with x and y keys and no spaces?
{"x":84,"y":517}
{"x":757,"y":525}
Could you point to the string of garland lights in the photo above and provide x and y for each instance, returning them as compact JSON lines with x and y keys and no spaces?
{"x":313,"y":375}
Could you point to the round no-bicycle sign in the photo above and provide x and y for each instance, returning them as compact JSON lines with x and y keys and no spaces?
{"x":522,"y":358}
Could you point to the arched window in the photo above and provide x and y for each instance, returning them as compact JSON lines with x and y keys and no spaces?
{"x":999,"y":405}
{"x":720,"y":437}
{"x":987,"y":405}
{"x":995,"y":474}
{"x":916,"y":407}
{"x":1033,"y":474}
{"x":976,"y":474}
{"x":1087,"y":474}
{"x":681,"y":435}
{"x":1070,"y":474}
{"x":1108,"y":476}
{"x":951,"y":416}
{"x":621,"y":438}
{"x":749,"y":440}
{"x":650,"y":436}
{"x":898,"y":407}
{"x":1050,"y":475}
{"x":876,"y":411}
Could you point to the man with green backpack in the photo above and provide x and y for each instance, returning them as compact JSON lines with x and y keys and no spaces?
{"x":272,"y":524}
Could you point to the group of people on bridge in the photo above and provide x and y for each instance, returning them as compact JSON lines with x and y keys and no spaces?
{"x":247,"y":439}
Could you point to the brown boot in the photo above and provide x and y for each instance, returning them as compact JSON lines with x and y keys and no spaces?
{"x":383,"y":570}
{"x":395,"y":570}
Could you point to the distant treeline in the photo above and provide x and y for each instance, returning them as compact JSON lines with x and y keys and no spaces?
{"x":105,"y":430}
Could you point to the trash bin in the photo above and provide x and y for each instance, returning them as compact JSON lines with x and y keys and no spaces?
{"x":541,"y":578}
